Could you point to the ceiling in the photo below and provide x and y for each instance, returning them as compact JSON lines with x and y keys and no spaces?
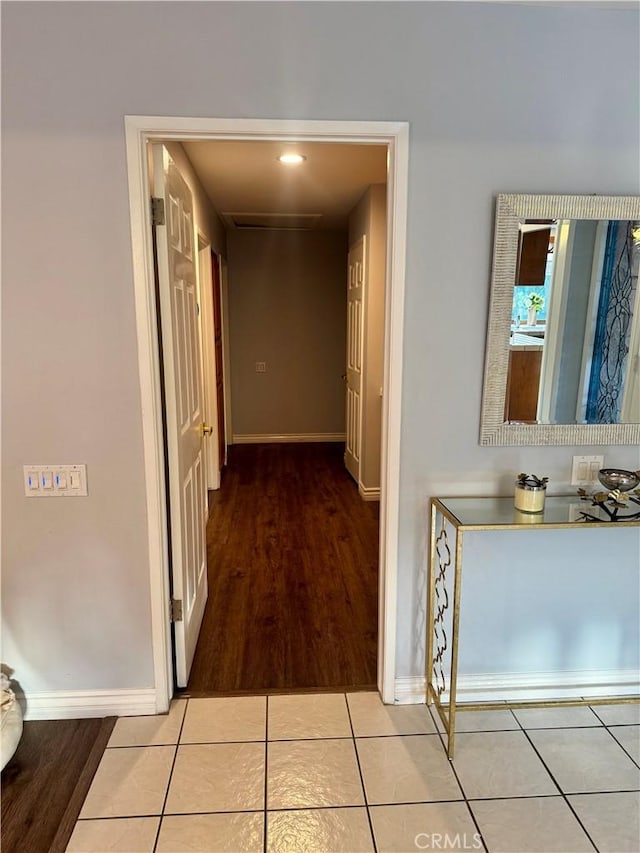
{"x":245,"y":177}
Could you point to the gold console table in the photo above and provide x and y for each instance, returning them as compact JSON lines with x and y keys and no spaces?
{"x":445,"y":569}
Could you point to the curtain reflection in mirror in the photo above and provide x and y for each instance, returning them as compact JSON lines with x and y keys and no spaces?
{"x":612,"y":340}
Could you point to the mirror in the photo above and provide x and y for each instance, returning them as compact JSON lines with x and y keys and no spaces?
{"x":563,"y":343}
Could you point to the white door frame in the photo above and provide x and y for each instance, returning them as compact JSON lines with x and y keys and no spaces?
{"x":357,"y":362}
{"x":209,"y":373}
{"x":226,"y":355}
{"x":140,"y":130}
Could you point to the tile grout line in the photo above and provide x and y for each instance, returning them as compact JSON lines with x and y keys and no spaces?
{"x":476,"y":824}
{"x":266,"y":759}
{"x":173,"y":764}
{"x":360,"y":806}
{"x":364,"y":790}
{"x":557,"y":784}
{"x":352,"y":806}
{"x":622,"y":747}
{"x":152,"y":745}
{"x":217,"y":742}
{"x":608,"y":727}
{"x":457,"y":778}
{"x":438,"y":724}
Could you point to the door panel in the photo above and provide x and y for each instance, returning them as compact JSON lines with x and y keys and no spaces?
{"x":355,"y":344}
{"x":182,"y":357}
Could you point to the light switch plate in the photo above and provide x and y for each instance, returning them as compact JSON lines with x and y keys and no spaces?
{"x":584,"y":471}
{"x":55,"y":481}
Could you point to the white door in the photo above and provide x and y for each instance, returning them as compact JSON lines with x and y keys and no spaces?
{"x":205,"y":288}
{"x":355,"y":343}
{"x":181,"y":352}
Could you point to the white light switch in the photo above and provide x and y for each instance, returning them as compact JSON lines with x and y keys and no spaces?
{"x":584,"y":471}
{"x":594,"y":469}
{"x":55,"y":481}
{"x":32,"y":480}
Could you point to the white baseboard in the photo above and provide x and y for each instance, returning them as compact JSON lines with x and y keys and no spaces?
{"x":518,"y":687}
{"x":77,"y":704}
{"x":289,"y":438}
{"x":530,"y":686}
{"x":369,"y":493}
{"x":411,"y":690}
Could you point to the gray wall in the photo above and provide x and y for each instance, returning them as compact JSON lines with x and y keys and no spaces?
{"x":479,"y":85}
{"x":287,"y":307}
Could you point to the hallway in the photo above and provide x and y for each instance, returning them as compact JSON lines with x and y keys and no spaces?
{"x":293,"y":575}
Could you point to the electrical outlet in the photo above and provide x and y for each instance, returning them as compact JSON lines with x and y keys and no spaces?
{"x":584,"y":471}
{"x":261,"y":367}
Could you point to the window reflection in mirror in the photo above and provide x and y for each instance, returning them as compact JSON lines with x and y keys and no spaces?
{"x":574,"y":354}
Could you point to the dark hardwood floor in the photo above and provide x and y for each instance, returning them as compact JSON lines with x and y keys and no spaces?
{"x":293,"y":575}
{"x":46,"y":781}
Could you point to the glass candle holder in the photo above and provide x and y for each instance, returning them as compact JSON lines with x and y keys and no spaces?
{"x":529,"y":498}
{"x":527,"y":517}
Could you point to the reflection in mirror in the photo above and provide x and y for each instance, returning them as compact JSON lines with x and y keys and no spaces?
{"x":575,"y":323}
{"x":563,"y":343}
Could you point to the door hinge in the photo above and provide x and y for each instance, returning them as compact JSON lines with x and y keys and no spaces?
{"x":176,"y":610}
{"x":157,"y":211}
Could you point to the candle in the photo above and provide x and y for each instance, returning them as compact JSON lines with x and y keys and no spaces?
{"x":529,"y":498}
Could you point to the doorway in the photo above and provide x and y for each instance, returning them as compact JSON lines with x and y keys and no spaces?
{"x":142,"y":130}
{"x":292,"y":552}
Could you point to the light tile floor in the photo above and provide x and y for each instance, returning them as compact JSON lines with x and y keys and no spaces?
{"x":336,"y":773}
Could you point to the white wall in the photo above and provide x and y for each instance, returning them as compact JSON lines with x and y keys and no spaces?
{"x":500,"y":98}
{"x":288,"y":308}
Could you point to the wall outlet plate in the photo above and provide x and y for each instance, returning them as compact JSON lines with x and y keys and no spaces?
{"x":584,"y":471}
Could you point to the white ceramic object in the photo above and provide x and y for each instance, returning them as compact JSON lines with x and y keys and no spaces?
{"x":10,"y":722}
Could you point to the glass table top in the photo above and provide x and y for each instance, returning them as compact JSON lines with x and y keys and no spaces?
{"x":559,"y":511}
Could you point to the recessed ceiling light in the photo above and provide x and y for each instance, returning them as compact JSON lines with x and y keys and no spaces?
{"x":293,"y":159}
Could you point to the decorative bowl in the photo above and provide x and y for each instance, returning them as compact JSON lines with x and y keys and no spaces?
{"x":618,"y":478}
